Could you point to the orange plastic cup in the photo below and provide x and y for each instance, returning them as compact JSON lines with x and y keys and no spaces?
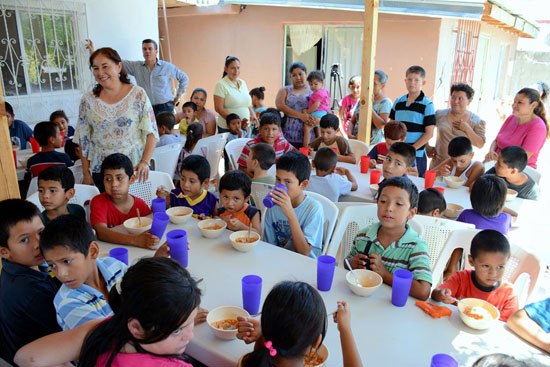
{"x":429,"y":179}
{"x":365,"y":159}
{"x":375,"y":177}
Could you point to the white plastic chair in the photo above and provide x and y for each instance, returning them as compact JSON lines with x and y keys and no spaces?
{"x":330,"y":213}
{"x":36,"y":201}
{"x":234,"y":149}
{"x":82,"y":195}
{"x":165,"y":158}
{"x":77,"y":172}
{"x":258,"y":192}
{"x":214,"y":152}
{"x":523,"y":270}
{"x":33,"y":186}
{"x":358,"y":148}
{"x":146,"y":191}
{"x":533,"y":173}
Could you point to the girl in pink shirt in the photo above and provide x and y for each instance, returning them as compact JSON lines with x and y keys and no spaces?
{"x":349,"y":102}
{"x":318,"y":103}
{"x":526,"y":127}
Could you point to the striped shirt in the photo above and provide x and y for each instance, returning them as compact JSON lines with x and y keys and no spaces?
{"x":410,"y":252}
{"x":416,"y":116}
{"x":42,"y":160}
{"x":281,"y":146}
{"x":76,"y":306}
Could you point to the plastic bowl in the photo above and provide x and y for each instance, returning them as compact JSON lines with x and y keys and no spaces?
{"x":179,"y":214}
{"x":322,"y":352}
{"x":244,"y":247}
{"x":453,"y":182}
{"x":365,"y":277}
{"x":211,"y":233}
{"x":224,"y":313}
{"x":373,"y":189}
{"x":473,"y":323}
{"x":453,"y":211}
{"x":511,"y":194}
{"x":133,"y":227}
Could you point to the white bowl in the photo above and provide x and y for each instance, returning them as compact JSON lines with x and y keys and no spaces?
{"x":453,"y":210}
{"x":511,"y":194}
{"x":133,"y":227}
{"x":366,"y":277}
{"x":224,"y":313}
{"x":244,"y":247}
{"x":453,"y":182}
{"x":211,"y":233}
{"x":322,"y":352}
{"x":179,"y":214}
{"x":473,"y":323}
{"x":373,"y":189}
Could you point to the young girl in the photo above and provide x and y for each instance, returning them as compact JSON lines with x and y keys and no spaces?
{"x":194,"y":134}
{"x":349,"y":102}
{"x":258,"y":106}
{"x":293,"y":324}
{"x":318,"y":103}
{"x":61,"y":119}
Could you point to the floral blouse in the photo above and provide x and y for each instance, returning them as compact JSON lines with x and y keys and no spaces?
{"x":121,"y":127}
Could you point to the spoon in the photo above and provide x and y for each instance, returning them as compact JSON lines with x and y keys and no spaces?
{"x":352,"y":273}
{"x":459,"y":301}
{"x":249,"y":227}
{"x":139,"y":217}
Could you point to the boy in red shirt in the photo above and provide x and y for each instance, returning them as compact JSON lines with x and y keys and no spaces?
{"x":489,"y":253}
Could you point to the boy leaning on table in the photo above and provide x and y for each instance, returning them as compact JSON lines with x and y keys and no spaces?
{"x":391,"y":243}
{"x":532,"y":323}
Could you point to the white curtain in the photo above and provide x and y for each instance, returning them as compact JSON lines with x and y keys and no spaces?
{"x":304,"y":36}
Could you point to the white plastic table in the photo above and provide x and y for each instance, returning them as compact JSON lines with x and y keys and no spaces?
{"x":385,"y":335}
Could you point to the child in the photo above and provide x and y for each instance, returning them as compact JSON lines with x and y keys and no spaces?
{"x":417,"y":112}
{"x":26,"y":294}
{"x":459,"y":163}
{"x":61,"y":119}
{"x":296,"y":221}
{"x":115,"y":205}
{"x":194,"y":134}
{"x":165,"y":124}
{"x":349,"y":102}
{"x":234,"y":125}
{"x":257,"y":95}
{"x":431,"y":203}
{"x":260,"y":160}
{"x":392,"y":240}
{"x":399,"y":161}
{"x":20,"y":132}
{"x":55,"y":189}
{"x":532,"y":323}
{"x":489,"y":253}
{"x":328,"y":180}
{"x":329,"y":127}
{"x":270,"y":133}
{"x":510,"y":164}
{"x":235,"y":187}
{"x":48,"y":136}
{"x":318,"y":102}
{"x":69,"y":247}
{"x":394,"y":131}
{"x":188,"y":110}
{"x":293,"y":324}
{"x":192,"y":193}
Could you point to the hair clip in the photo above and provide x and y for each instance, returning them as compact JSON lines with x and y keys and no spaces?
{"x":269,"y":346}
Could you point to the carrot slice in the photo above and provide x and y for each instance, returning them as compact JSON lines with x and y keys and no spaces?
{"x":434,"y":310}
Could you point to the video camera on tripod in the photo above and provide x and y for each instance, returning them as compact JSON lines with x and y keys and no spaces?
{"x":335,"y":88}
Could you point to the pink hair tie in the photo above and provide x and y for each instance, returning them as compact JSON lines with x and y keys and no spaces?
{"x":272,"y":351}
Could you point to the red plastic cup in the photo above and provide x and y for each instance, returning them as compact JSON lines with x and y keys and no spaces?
{"x":429,"y":179}
{"x":62,"y":139}
{"x":34,"y":145}
{"x":365,"y":160}
{"x":304,"y":151}
{"x":335,"y":149}
{"x":375,"y":177}
{"x":15,"y":158}
{"x":440,"y":189}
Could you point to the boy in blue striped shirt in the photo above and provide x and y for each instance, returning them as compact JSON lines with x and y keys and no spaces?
{"x":417,"y":112}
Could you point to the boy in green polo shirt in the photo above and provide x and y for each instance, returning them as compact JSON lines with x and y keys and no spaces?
{"x":391,"y":243}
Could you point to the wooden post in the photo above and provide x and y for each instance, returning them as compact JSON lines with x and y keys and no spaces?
{"x":9,"y":189}
{"x":370,"y":31}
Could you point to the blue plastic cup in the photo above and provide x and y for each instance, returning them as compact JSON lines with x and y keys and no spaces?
{"x":177,"y":241}
{"x":160,"y":221}
{"x":119,"y":253}
{"x":325,"y":272}
{"x":401,"y":287}
{"x":443,"y":360}
{"x":268,"y":200}
{"x":252,"y":293}
{"x":158,"y":205}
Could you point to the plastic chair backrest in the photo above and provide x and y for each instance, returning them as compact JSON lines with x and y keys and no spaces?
{"x":214,"y":152}
{"x":330,"y":214}
{"x":533,"y":173}
{"x":77,"y":173}
{"x":146,"y":191}
{"x":83,"y":194}
{"x":234,"y":149}
{"x":258,"y":192}
{"x":523,"y":270}
{"x":36,"y":201}
{"x":33,"y":186}
{"x":358,"y":148}
{"x":165,"y":158}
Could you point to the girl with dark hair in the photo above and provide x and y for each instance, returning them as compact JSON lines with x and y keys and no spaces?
{"x":257,"y":95}
{"x":527,"y":127}
{"x":206,"y":117}
{"x":194,"y":134}
{"x":293,"y":324}
{"x":116,"y":117}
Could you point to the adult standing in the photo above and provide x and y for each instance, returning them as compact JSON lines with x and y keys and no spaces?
{"x":206,"y":117}
{"x":456,"y":121}
{"x":231,"y":96}
{"x":154,"y":76}
{"x":292,"y":100}
{"x":116,"y":117}
{"x":526,"y":127}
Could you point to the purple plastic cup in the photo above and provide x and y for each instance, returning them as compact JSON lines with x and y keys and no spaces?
{"x":325,"y":272}
{"x":443,"y":360}
{"x":177,"y":241}
{"x":160,"y":221}
{"x":268,"y":200}
{"x":158,"y":205}
{"x":401,"y":287}
{"x":119,"y":253}
{"x":252,"y":292}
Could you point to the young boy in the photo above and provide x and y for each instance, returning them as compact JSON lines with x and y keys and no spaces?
{"x":165,"y":124}
{"x":55,"y":189}
{"x":270,"y":133}
{"x":431,"y":203}
{"x":48,"y":136}
{"x":417,"y":112}
{"x":115,"y":205}
{"x":192,"y":193}
{"x":20,"y":132}
{"x":26,"y":294}
{"x":329,"y":127}
{"x":296,"y":221}
{"x":532,"y":323}
{"x":234,"y":124}
{"x":489,"y":253}
{"x":394,"y":131}
{"x":399,"y":160}
{"x":260,"y":160}
{"x":70,"y":250}
{"x":328,"y":180}
{"x":235,"y":188}
{"x":189,"y":109}
{"x":510,"y":164}
{"x":393,"y":240}
{"x":460,"y":162}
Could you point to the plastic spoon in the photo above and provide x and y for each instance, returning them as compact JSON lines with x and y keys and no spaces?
{"x":352,"y":273}
{"x":139,"y":217}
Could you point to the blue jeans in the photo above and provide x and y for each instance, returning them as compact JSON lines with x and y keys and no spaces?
{"x":421,"y":165}
{"x":164,"y":107}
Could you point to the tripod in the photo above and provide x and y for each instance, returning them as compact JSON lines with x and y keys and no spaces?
{"x":335,"y":88}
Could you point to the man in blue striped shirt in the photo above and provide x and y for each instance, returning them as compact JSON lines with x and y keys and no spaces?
{"x":417,"y":112}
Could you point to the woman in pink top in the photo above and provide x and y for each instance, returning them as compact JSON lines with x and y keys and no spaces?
{"x":206,"y":117}
{"x":526,"y":127}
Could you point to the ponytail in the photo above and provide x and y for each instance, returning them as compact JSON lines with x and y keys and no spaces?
{"x":258,"y":358}
{"x":194,"y":134}
{"x":534,"y":96}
